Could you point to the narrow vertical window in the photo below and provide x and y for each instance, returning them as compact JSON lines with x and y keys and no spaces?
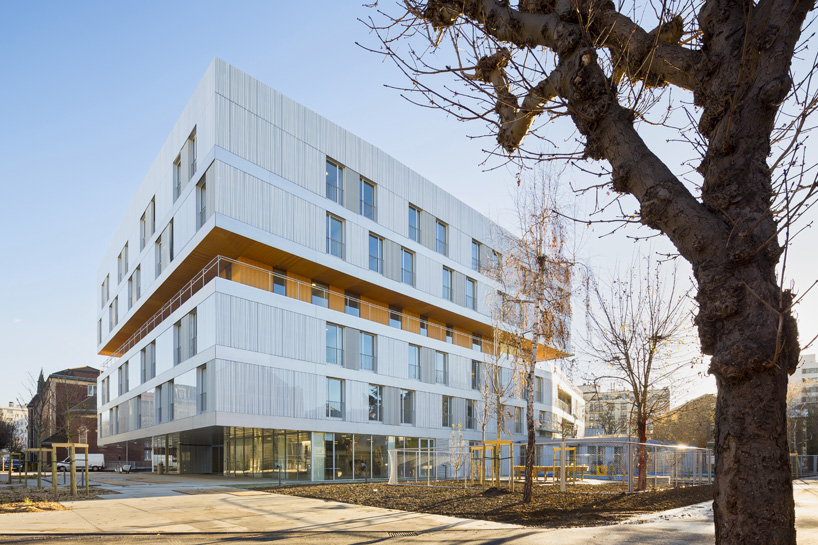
{"x":414,"y":223}
{"x":447,"y":284}
{"x":335,"y":236}
{"x":201,"y":194}
{"x":335,"y":398}
{"x":335,"y":344}
{"x":367,"y":199}
{"x":375,"y":254}
{"x":441,"y":368}
{"x":447,"y":411}
{"x":122,"y":264}
{"x":177,"y":178}
{"x":407,"y":263}
{"x":280,"y":281}
{"x":192,"y":143}
{"x":103,"y":292}
{"x":368,"y":356}
{"x":375,"y":403}
{"x":449,"y":334}
{"x":407,"y":406}
{"x":424,"y":326}
{"x":476,"y":375}
{"x":475,"y":255}
{"x":471,"y":294}
{"x":414,"y":362}
{"x":441,"y":238}
{"x":335,"y":182}
{"x":470,"y":414}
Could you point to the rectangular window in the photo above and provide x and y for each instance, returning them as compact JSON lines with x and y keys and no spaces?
{"x":184,"y":338}
{"x":375,"y":254}
{"x":335,"y":236}
{"x":407,"y":406}
{"x":192,"y":146}
{"x":375,"y":403}
{"x":475,"y":255}
{"x":320,"y":295}
{"x":103,"y":292}
{"x":407,"y":266}
{"x":538,"y":390}
{"x":201,"y":195}
{"x":147,"y":225}
{"x":470,"y":414}
{"x":177,"y":177}
{"x":368,"y":199}
{"x":477,"y":342}
{"x":395,"y":317}
{"x":280,"y":281}
{"x":414,"y":223}
{"x":91,"y":390}
{"x":447,"y":284}
{"x":449,"y":334}
{"x":335,"y":182}
{"x":99,"y":331}
{"x":201,"y":387}
{"x":476,"y":375}
{"x":113,"y":313}
{"x":441,"y":368}
{"x":147,"y":362}
{"x":471,"y":294}
{"x":441,"y":238}
{"x":447,"y":411}
{"x":352,"y":305}
{"x":122,"y":264}
{"x":424,"y":326}
{"x":135,"y":287}
{"x":414,"y":362}
{"x":335,"y":398}
{"x":335,"y":344}
{"x":368,"y":354}
{"x":164,"y":249}
{"x":518,"y":420}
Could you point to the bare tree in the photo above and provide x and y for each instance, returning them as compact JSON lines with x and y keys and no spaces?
{"x":10,"y":436}
{"x":610,"y":422}
{"x":496,"y":387}
{"x":797,"y":409}
{"x":535,"y":275}
{"x":738,"y":101}
{"x":634,"y":330}
{"x":691,"y":424}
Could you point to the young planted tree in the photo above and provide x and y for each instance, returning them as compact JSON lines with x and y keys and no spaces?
{"x":535,"y":275}
{"x":495,"y":387}
{"x":634,"y":331}
{"x":741,"y":104}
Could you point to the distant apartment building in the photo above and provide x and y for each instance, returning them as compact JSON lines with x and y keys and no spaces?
{"x":610,"y":411}
{"x":64,"y":410}
{"x":807,"y":375}
{"x":283,"y":296}
{"x":17,"y":415}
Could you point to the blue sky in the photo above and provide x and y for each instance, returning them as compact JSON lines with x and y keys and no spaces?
{"x":90,"y":92}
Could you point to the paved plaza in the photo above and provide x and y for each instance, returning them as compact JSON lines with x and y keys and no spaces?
{"x":213,"y":509}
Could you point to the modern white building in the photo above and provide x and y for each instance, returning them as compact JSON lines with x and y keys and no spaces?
{"x":282,"y":294}
{"x":18,"y":415}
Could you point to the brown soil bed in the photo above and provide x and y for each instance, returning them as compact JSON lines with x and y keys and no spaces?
{"x":579,"y":505}
{"x":33,"y":500}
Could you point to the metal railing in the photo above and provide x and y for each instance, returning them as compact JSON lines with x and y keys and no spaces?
{"x":251,"y":275}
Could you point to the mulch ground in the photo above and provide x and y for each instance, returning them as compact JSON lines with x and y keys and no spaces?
{"x":579,"y":505}
{"x":32,"y":500}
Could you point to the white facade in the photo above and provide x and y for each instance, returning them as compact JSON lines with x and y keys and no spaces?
{"x":313,"y":296}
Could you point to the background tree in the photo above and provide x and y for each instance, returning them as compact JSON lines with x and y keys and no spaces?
{"x":691,"y":424}
{"x":10,"y":439}
{"x":610,"y":422}
{"x":535,"y":275}
{"x":797,"y":408}
{"x":634,"y":330}
{"x":495,"y":387}
{"x":588,"y":64}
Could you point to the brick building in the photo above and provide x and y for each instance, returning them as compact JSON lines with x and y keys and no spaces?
{"x":64,"y":410}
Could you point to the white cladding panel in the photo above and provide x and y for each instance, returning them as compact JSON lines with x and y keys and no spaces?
{"x":257,"y":203}
{"x":164,"y":351}
{"x":252,"y":326}
{"x":356,"y":239}
{"x":357,"y":401}
{"x":258,"y":389}
{"x":393,"y":357}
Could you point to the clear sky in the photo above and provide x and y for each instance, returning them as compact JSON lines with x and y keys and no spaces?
{"x":90,"y":92}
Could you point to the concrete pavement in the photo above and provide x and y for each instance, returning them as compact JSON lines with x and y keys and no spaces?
{"x":215,"y":510}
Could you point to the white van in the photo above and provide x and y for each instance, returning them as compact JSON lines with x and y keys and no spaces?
{"x":96,"y":462}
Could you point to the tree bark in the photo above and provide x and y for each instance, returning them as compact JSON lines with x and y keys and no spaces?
{"x":642,"y":433}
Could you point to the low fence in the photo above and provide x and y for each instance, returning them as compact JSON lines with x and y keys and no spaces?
{"x":624,"y":466}
{"x":804,"y":465}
